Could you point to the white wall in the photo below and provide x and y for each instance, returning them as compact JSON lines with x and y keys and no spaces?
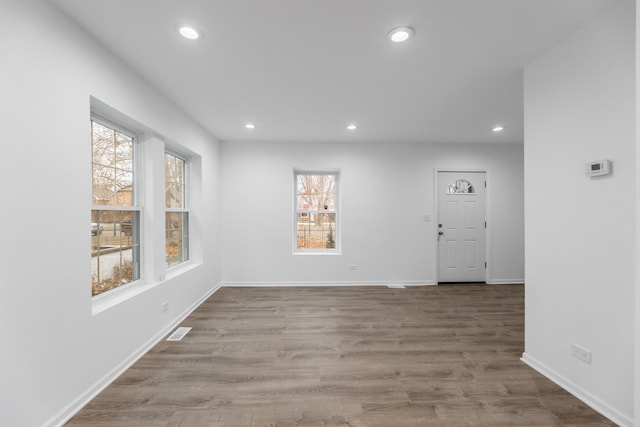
{"x":580,"y":232}
{"x":54,"y":350}
{"x":385,"y":190}
{"x":636,"y":410}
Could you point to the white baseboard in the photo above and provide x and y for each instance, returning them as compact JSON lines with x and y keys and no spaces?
{"x":310,"y":284}
{"x":505,"y":282}
{"x":582,"y":394}
{"x":374,"y":283}
{"x":74,"y":407}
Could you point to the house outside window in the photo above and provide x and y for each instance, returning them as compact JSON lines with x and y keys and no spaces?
{"x":316,"y":214}
{"x":177,"y":213}
{"x":115,"y":215}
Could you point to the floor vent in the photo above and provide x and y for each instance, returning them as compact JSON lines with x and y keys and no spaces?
{"x":179,"y":333}
{"x":395,"y":286}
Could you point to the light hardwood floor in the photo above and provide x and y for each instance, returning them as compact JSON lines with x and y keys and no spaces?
{"x":350,"y":356}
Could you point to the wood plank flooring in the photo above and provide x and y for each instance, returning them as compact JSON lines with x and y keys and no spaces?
{"x":350,"y":356}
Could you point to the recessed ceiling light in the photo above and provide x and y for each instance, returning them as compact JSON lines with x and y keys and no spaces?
{"x":352,"y":127}
{"x":250,"y":126}
{"x":401,"y":34}
{"x":190,"y":32}
{"x":498,"y":128}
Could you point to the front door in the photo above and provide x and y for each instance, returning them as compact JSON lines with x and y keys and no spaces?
{"x":461,"y":227}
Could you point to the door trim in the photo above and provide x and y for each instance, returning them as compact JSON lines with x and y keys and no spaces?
{"x":487,"y":215}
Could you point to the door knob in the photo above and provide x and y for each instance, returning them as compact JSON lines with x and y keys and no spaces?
{"x":439,"y":225}
{"x":440,"y":233}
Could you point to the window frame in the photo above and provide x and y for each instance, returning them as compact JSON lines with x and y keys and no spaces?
{"x":185,"y":209}
{"x":136,"y":202}
{"x":297,"y":212}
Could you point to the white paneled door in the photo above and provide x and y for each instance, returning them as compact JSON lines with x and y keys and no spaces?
{"x":461,"y":227}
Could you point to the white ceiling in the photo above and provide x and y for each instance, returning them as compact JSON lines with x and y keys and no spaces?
{"x":301,"y":70}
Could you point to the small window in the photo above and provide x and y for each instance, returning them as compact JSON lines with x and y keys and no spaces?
{"x":460,"y":186}
{"x":177,"y":214}
{"x":115,"y":217}
{"x":316,"y":216}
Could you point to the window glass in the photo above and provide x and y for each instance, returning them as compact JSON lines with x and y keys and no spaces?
{"x":112,"y":164}
{"x":316,"y":213}
{"x":115,"y":219}
{"x":177,"y":214}
{"x":175,"y":181}
{"x":460,"y":186}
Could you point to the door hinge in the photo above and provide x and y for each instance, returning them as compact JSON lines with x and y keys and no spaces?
{"x":485,"y":264}
{"x":485,"y":224}
{"x":485,"y":184}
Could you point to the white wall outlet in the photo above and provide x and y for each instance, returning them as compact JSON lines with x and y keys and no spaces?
{"x":165,"y":306}
{"x":426,"y":218}
{"x":353,"y":267}
{"x":581,"y":353}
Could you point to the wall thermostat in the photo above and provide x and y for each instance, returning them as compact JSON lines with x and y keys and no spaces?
{"x":598,"y":168}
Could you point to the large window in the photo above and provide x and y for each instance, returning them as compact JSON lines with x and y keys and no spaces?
{"x":177,"y":214}
{"x":316,"y":212}
{"x":115,"y":215}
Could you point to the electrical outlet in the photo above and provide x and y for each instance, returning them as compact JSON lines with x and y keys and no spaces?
{"x":165,"y":306}
{"x":581,"y":353}
{"x":353,"y":267}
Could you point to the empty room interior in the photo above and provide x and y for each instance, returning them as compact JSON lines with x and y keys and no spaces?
{"x":368,"y":213}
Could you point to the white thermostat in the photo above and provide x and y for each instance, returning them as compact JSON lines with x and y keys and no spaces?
{"x":598,"y":168}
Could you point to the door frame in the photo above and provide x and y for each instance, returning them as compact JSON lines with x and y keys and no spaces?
{"x":487,"y":216}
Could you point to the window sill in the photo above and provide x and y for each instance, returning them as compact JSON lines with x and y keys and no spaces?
{"x":311,"y":252}
{"x":111,"y":299}
{"x":180,"y":269}
{"x":104,"y":302}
